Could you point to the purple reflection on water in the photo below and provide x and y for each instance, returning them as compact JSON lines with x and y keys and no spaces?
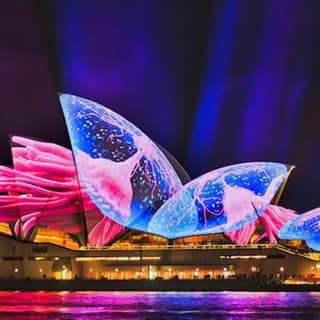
{"x":159,"y":305}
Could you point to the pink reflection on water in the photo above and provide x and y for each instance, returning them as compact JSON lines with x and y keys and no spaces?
{"x":159,"y":305}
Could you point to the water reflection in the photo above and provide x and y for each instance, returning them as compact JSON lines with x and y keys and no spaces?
{"x":159,"y":305}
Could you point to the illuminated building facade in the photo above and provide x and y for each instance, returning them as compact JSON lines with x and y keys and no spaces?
{"x":118,"y":207}
{"x":155,"y":261}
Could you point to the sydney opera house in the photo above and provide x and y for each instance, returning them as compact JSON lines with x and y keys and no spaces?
{"x":119,"y":206}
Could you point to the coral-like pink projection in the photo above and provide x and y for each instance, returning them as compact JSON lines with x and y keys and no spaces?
{"x":272,"y":219}
{"x":238,"y":202}
{"x":104,"y":231}
{"x":43,"y":189}
{"x":104,"y":177}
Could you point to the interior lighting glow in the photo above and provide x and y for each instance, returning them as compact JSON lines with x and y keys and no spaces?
{"x":244,"y":257}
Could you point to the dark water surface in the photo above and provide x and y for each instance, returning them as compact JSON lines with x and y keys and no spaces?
{"x":159,"y":305}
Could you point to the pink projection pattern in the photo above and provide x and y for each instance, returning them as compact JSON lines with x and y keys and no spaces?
{"x":272,"y":219}
{"x":43,"y":189}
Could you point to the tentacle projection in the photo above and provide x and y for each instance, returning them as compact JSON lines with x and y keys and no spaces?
{"x":43,"y":189}
{"x":272,"y":219}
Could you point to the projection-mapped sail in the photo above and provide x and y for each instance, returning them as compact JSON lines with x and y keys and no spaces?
{"x":304,"y":227}
{"x":123,"y":171}
{"x":223,"y":200}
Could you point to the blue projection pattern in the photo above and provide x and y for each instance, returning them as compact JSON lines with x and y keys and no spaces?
{"x":304,"y":227}
{"x":123,"y":171}
{"x":223,"y":200}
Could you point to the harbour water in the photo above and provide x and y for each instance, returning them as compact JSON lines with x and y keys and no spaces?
{"x":159,"y":305}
